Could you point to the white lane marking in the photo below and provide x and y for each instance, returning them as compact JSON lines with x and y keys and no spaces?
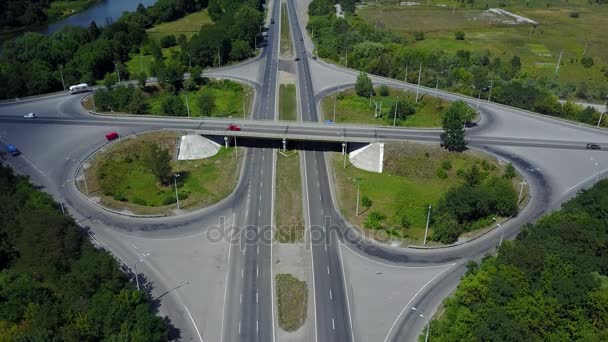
{"x":227,"y":274}
{"x":242,"y":272}
{"x":311,"y":249}
{"x":272,"y":223}
{"x":411,"y":300}
{"x":333,"y":324}
{"x":258,"y":249}
{"x":257,"y":297}
{"x":257,"y":325}
{"x":391,"y":265}
{"x":243,"y":251}
{"x":257,"y":271}
{"x":239,"y":327}
{"x":241,"y":298}
{"x":327,"y":269}
{"x":259,"y":212}
{"x":191,"y":318}
{"x":330,"y":296}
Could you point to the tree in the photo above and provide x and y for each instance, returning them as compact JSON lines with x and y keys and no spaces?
{"x":473,"y":176}
{"x":383,"y":90}
{"x":509,"y":171}
{"x":141,"y":79}
{"x":157,"y":160}
{"x":404,"y":107}
{"x":364,"y":86}
{"x":587,"y":61}
{"x":206,"y":103}
{"x":459,"y":35}
{"x":453,"y":136}
{"x":240,"y":50}
{"x":348,"y":6}
{"x":110,"y":80}
{"x":173,"y":105}
{"x":516,"y":63}
{"x":168,"y":41}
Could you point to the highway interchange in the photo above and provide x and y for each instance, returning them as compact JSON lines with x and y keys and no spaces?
{"x":218,"y":291}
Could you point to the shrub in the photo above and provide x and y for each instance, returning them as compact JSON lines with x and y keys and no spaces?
{"x":401,"y":218}
{"x":383,"y":90}
{"x":446,"y":165}
{"x":509,"y":171}
{"x":138,"y":200}
{"x":366,"y":201}
{"x":459,"y":35}
{"x":168,"y":41}
{"x":374,"y":220}
{"x":574,"y":14}
{"x":485,"y":165}
{"x":169,"y":200}
{"x":442,"y":174}
{"x":364,"y":86}
{"x":419,"y":35}
{"x":587,"y":61}
{"x":173,"y":105}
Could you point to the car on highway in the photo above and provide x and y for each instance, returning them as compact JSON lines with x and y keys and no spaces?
{"x":272,"y":21}
{"x":470,"y":124}
{"x":30,"y":116}
{"x":111,"y":136}
{"x":12,"y":150}
{"x":314,"y":57}
{"x":233,"y":127}
{"x":593,"y":147}
{"x":297,"y":59}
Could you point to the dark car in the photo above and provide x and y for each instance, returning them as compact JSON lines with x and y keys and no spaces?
{"x":297,"y":59}
{"x":233,"y":127}
{"x":593,"y":147}
{"x":111,"y":136}
{"x":469,"y":124}
{"x":314,"y":57}
{"x":272,"y":21}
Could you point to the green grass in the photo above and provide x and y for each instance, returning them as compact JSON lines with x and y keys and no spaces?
{"x":355,"y":109}
{"x":201,"y":182}
{"x":139,"y":62}
{"x":286,"y":45}
{"x":409,"y":181}
{"x":292,"y":296}
{"x":229,"y":99}
{"x":539,"y":53}
{"x":188,"y":25}
{"x":289,"y":219}
{"x":287,"y":102}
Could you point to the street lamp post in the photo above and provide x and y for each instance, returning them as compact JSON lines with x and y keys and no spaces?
{"x":418,"y":86}
{"x":176,"y":193}
{"x":117,"y":71}
{"x":357,"y":210}
{"x":428,"y":326}
{"x":602,"y":114}
{"x":61,"y":72}
{"x":395,"y":115}
{"x":187,"y":105}
{"x":428,"y":220}
{"x":521,"y":190}
{"x":490,"y":94}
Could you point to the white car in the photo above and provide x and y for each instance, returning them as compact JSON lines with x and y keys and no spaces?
{"x":30,"y":116}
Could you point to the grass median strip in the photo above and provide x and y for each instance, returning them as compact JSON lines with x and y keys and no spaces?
{"x":287,"y":102}
{"x":288,"y":207}
{"x":292,"y":295}
{"x":286,"y":46}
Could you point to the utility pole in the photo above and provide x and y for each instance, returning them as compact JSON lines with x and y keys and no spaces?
{"x":405,"y":76}
{"x":236,"y":149}
{"x":395,"y":115}
{"x":357,"y":212}
{"x":521,"y":190}
{"x":187,"y":105}
{"x":335,"y":101}
{"x":559,"y":60}
{"x":418,"y":86}
{"x":602,"y":114}
{"x":478,"y":99}
{"x":428,"y":220}
{"x":490,"y":94}
{"x":347,"y":59}
{"x":437,"y":86}
{"x":176,"y":194}
{"x":117,"y":71}
{"x":136,"y":277}
{"x":243,"y":105}
{"x":219,"y":58}
{"x":61,"y":72}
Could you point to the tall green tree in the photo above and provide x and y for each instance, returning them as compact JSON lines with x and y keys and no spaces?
{"x":453,"y":136}
{"x":206,"y":103}
{"x":157,"y":160}
{"x":364,"y":86}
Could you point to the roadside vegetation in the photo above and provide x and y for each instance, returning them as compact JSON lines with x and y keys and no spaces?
{"x":292,"y":296}
{"x":521,"y":77}
{"x":549,"y":284}
{"x":466,"y":191}
{"x":352,"y":108}
{"x":34,"y":64}
{"x":288,"y":204}
{"x":54,"y":284}
{"x":202,"y":98}
{"x":287,"y":102}
{"x":17,"y":15}
{"x":286,"y":44}
{"x":138,"y":175}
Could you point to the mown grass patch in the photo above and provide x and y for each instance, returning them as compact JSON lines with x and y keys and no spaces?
{"x":188,"y":25}
{"x":138,"y":63}
{"x":288,"y":203}
{"x":292,"y":295}
{"x":287,"y":102}
{"x":118,"y":177}
{"x":415,"y":175}
{"x":286,"y":45}
{"x":351,"y":108}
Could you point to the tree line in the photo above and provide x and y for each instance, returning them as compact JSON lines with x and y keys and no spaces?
{"x":550,"y":284}
{"x":54,"y":284}
{"x":478,"y":74}
{"x":35,"y":64}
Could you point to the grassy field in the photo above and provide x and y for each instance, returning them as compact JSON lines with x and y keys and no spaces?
{"x":356,"y":109}
{"x":287,"y":102}
{"x":141,"y":62}
{"x":286,"y":46}
{"x":409,"y":183}
{"x":200,"y":184}
{"x":230,"y":99}
{"x":289,"y":219}
{"x":292,"y":295}
{"x":188,"y":25}
{"x":538,"y":47}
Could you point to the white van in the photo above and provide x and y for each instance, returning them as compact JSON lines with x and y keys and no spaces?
{"x":79,"y":88}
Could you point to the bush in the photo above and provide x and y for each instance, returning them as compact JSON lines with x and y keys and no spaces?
{"x":442,"y":174}
{"x":446,"y":165}
{"x":364,"y":86}
{"x":459,"y":35}
{"x":366,"y":201}
{"x":137,"y":200}
{"x":485,"y":165}
{"x":574,"y":14}
{"x":169,"y":200}
{"x":401,"y":218}
{"x":419,"y":35}
{"x":173,"y":105}
{"x":168,"y":41}
{"x":383,"y":90}
{"x":587,"y":61}
{"x":374,"y":220}
{"x":509,"y":172}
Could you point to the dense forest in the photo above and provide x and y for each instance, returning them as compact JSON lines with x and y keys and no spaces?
{"x":382,"y":52}
{"x":35,"y":64}
{"x":54,"y":285}
{"x":550,"y":284}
